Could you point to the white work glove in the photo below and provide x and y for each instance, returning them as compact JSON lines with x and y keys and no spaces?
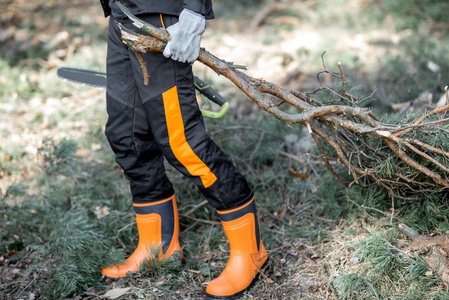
{"x":184,"y":45}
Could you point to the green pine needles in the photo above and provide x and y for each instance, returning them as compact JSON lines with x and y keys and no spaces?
{"x":387,"y":272}
{"x":58,"y":228}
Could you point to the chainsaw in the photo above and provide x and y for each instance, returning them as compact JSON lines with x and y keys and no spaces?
{"x":98,"y":79}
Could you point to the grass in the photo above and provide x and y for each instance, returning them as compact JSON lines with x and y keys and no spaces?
{"x":385,"y":271}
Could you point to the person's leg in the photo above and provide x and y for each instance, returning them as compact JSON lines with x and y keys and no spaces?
{"x":128,"y":129}
{"x":158,"y":228}
{"x":176,"y":123}
{"x":132,"y":141}
{"x":247,"y":257}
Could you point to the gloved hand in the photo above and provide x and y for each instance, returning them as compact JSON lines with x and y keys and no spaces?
{"x":184,"y":45}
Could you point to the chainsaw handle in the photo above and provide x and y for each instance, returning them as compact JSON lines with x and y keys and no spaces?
{"x":213,"y":96}
{"x":216,"y":115}
{"x":209,"y":92}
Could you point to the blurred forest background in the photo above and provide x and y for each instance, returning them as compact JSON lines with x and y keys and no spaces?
{"x":65,"y":208}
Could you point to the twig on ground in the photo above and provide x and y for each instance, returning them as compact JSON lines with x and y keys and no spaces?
{"x":195,"y":208}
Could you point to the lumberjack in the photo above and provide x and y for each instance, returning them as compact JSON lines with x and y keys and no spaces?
{"x":157,"y":116}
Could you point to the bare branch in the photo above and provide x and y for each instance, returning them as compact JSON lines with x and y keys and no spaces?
{"x":345,"y":133}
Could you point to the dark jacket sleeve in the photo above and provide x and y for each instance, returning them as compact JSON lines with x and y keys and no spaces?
{"x":200,"y":6}
{"x":106,"y":8}
{"x":170,"y":7}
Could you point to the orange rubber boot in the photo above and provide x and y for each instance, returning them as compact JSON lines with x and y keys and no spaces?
{"x":247,"y":256}
{"x":158,"y":227}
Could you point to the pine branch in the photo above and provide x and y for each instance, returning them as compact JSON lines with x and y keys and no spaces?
{"x":345,"y":133}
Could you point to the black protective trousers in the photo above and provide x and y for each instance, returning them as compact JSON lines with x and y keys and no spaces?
{"x":162,"y":119}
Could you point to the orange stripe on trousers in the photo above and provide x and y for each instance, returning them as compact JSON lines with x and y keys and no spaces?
{"x":177,"y":139}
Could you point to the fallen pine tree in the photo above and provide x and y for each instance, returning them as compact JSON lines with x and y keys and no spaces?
{"x":407,"y":155}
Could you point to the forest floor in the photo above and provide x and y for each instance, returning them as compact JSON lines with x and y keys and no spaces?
{"x":65,"y":205}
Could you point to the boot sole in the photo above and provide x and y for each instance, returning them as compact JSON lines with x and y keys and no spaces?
{"x":105,"y":277}
{"x":240,"y":294}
